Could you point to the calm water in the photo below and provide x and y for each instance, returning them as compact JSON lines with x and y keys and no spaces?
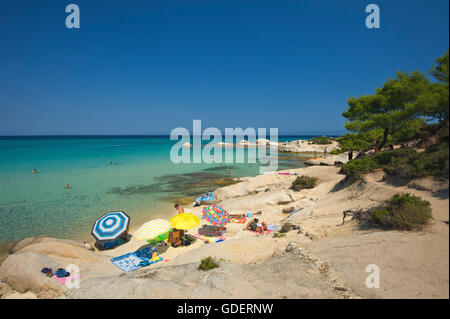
{"x":133,"y":174}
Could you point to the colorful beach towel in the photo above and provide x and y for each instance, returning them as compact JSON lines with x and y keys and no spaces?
{"x":138,"y":259}
{"x":211,"y":231}
{"x":272,"y":227}
{"x":210,"y":239}
{"x":238,"y":220}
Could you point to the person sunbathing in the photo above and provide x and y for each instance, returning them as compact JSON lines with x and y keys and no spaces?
{"x":255,"y":226}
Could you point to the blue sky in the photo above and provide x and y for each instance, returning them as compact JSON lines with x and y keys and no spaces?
{"x":146,"y":67}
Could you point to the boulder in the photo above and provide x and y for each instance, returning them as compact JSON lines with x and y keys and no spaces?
{"x":5,"y":290}
{"x":27,"y":295}
{"x":277,"y":198}
{"x":22,"y":272}
{"x":287,"y":275}
{"x":286,"y":228}
{"x":38,"y":240}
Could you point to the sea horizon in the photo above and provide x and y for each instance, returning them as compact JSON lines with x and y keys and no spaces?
{"x":143,"y":135}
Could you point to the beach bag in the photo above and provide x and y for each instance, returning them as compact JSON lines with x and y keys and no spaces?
{"x":60,"y":273}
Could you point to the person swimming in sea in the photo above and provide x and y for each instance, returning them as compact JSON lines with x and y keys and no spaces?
{"x":34,"y":171}
{"x":68,"y":186}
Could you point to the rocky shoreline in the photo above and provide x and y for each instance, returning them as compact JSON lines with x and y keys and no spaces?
{"x":317,"y":256}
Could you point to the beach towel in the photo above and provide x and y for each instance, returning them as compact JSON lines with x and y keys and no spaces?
{"x":288,"y":173}
{"x":62,"y":280}
{"x":209,"y":197}
{"x":272,"y":227}
{"x":138,"y":259}
{"x":211,"y":231}
{"x":210,"y":239}
{"x":295,"y":212}
{"x":238,"y":220}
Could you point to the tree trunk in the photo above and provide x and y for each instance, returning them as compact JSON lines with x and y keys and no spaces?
{"x":385,"y":135}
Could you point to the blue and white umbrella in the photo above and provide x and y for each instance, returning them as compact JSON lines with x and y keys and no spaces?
{"x":111,"y":226}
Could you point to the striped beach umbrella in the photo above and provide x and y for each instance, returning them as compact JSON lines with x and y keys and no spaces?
{"x":184,"y":221}
{"x":216,"y":215}
{"x":111,"y":226}
{"x":153,"y":229}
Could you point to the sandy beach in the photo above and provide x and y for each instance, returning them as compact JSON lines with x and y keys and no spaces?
{"x":320,"y":258}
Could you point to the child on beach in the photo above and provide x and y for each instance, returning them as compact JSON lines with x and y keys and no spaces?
{"x":179,"y":208}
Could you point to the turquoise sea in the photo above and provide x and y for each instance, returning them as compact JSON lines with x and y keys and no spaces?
{"x":106,"y":173}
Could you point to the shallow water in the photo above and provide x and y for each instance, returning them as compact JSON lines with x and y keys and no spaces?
{"x":133,"y":174}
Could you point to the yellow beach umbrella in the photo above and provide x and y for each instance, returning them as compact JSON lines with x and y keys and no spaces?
{"x":152,"y":229}
{"x":184,"y":221}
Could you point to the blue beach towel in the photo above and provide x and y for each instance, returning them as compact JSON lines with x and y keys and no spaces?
{"x":138,"y":259}
{"x":295,"y":211}
{"x":272,"y":227}
{"x":208,"y":197}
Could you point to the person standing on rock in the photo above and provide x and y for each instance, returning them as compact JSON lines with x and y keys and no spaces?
{"x":350,"y":154}
{"x":325,"y":153}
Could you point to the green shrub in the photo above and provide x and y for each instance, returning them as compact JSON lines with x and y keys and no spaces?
{"x":322,"y":140}
{"x":303,"y":182}
{"x":357,"y":167}
{"x":361,"y":141}
{"x":403,"y":163}
{"x":410,"y":164}
{"x":208,"y":263}
{"x":403,"y":212}
{"x":386,"y":157}
{"x":279,"y":235}
{"x":336,"y":152}
{"x":435,"y":159}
